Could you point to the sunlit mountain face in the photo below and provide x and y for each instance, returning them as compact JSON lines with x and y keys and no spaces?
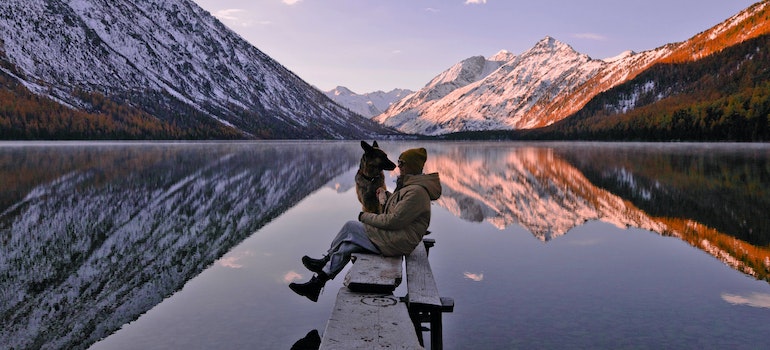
{"x":552,"y":81}
{"x":713,"y":197}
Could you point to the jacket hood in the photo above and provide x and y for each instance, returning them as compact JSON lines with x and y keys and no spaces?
{"x":429,"y":182}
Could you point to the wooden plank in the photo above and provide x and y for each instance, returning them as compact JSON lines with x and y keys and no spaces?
{"x":374,"y":273}
{"x":369,"y":321}
{"x":421,"y":286}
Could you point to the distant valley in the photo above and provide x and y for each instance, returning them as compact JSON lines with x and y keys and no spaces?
{"x":370,"y":104}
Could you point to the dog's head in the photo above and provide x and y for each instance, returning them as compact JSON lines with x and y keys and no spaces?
{"x":375,"y":158}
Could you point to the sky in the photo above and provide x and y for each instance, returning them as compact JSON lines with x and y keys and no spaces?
{"x":380,"y":45}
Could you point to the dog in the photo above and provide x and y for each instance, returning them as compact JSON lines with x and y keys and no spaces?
{"x":371,"y":176}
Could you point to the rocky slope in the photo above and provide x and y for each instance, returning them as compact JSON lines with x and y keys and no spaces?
{"x":162,"y":56}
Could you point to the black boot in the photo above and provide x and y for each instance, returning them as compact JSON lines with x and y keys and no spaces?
{"x":315,"y":265}
{"x":310,"y":289}
{"x":311,"y":341}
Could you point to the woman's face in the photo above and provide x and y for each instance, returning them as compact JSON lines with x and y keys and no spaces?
{"x":406,"y":169}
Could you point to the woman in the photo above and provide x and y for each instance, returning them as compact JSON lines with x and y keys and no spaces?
{"x":396,"y":231}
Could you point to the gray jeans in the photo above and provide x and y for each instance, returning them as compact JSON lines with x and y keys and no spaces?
{"x":351,"y":239}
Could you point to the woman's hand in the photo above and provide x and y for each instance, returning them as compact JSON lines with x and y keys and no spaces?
{"x":382,"y":195}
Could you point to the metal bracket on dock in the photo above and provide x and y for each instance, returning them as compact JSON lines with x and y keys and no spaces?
{"x":426,"y":307}
{"x":431,"y":315}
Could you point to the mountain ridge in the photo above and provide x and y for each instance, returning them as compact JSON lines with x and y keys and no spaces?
{"x":501,"y":101}
{"x":367,"y":104}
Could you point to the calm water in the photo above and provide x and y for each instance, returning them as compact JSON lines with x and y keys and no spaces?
{"x":555,"y":245}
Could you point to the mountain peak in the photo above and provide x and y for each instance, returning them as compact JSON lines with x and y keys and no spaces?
{"x":549,"y":44}
{"x":549,"y":41}
{"x":369,"y":104}
{"x":341,"y":90}
{"x":502,"y":56}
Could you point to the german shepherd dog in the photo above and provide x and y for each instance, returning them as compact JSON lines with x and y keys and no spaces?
{"x":370,"y":176}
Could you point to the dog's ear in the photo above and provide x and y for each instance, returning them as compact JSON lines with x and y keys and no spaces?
{"x":375,"y":145}
{"x":366,"y":146}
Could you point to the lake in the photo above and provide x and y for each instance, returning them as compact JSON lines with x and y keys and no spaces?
{"x":542,"y":245}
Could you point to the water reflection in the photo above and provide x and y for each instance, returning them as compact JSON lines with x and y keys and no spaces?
{"x":93,"y":236}
{"x":722,"y":187}
{"x":715,"y":197}
{"x":97,"y":235}
{"x":753,"y":299}
{"x":529,"y":186}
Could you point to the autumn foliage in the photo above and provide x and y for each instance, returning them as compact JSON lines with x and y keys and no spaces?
{"x":27,"y":116}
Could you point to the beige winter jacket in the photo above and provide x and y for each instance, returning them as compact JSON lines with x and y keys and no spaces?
{"x":406,"y":217}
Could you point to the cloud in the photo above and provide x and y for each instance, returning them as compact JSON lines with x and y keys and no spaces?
{"x":236,"y":16}
{"x":228,"y":14}
{"x":433,"y":10}
{"x":291,"y":276}
{"x":291,"y":2}
{"x":589,"y":36}
{"x":476,"y":277}
{"x":759,"y":300}
{"x":475,"y":2}
{"x":233,"y":261}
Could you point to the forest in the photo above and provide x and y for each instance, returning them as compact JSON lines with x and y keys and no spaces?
{"x":26,"y":116}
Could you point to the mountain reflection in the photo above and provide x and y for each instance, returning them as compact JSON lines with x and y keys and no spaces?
{"x":97,"y":235}
{"x":716,"y":198}
{"x":529,"y":186}
{"x":92,"y":236}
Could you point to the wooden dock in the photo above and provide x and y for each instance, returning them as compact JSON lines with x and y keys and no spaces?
{"x":367,"y":315}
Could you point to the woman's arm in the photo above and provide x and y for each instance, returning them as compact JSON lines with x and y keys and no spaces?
{"x":402,"y":213}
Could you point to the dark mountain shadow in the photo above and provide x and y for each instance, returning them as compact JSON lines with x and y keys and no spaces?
{"x":726,"y":188}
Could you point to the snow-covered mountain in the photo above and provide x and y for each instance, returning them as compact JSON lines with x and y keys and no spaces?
{"x":168,"y":52}
{"x":369,"y":104}
{"x":469,"y":96}
{"x":547,"y":83}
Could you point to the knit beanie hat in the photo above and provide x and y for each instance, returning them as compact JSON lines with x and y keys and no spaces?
{"x":414,"y":158}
